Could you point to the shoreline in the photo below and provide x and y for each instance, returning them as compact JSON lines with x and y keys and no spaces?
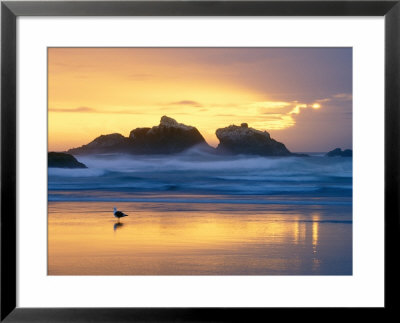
{"x":198,"y":239}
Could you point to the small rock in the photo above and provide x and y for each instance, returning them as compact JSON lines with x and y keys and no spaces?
{"x":62,"y":160}
{"x":338,"y":152}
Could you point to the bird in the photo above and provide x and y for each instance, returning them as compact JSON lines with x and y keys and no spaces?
{"x":119,"y":214}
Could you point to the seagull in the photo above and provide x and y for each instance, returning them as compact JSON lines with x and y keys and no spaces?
{"x":119,"y":214}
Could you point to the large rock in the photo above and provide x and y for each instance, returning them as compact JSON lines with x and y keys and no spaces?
{"x":244,"y":140}
{"x":168,"y":137}
{"x":337,"y":152}
{"x":112,"y":143}
{"x":63,"y":160}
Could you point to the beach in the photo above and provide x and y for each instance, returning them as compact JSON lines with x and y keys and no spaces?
{"x":199,"y":239}
{"x":201,"y":215}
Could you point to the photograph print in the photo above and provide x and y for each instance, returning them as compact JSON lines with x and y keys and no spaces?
{"x":200,"y":161}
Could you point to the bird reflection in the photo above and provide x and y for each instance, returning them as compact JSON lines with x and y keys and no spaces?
{"x":118,"y":225}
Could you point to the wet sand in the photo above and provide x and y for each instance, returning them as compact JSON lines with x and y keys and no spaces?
{"x":199,"y":239}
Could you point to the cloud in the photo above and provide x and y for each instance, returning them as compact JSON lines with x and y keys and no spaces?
{"x":226,"y":105}
{"x":278,"y":115}
{"x":78,"y":109}
{"x":186,"y":102}
{"x":319,"y":129}
{"x":343,"y":96}
{"x":337,"y":97}
{"x":323,"y":100}
{"x":92,"y":110}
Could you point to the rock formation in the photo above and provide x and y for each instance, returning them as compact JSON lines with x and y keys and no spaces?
{"x":171,"y":137}
{"x":244,"y":140}
{"x":168,"y":137}
{"x":63,"y":160}
{"x":337,"y":152}
{"x":112,"y":143}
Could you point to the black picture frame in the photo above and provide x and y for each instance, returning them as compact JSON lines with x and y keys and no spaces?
{"x":11,"y":10}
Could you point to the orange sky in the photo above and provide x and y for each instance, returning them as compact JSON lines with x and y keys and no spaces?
{"x":302,"y":96}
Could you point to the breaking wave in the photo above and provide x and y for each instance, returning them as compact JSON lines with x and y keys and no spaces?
{"x":197,"y":172}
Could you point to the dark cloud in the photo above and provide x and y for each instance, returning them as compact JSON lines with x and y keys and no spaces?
{"x":186,"y":102}
{"x":321,"y":129}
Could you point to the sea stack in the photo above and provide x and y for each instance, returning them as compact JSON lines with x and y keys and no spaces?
{"x":62,"y":160}
{"x":112,"y":143}
{"x":248,"y":141}
{"x":169,"y":137}
{"x":338,"y":152}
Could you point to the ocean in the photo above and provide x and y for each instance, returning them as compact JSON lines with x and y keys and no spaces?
{"x":201,"y":214}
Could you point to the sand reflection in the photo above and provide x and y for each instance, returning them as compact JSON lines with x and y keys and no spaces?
{"x":117,"y":225}
{"x":197,"y":240}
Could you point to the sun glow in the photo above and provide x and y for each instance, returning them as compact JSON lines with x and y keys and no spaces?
{"x":94,"y":91}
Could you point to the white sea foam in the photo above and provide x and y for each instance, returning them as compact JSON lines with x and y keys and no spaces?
{"x":208,"y":162}
{"x":198,"y":172}
{"x":76,"y":172}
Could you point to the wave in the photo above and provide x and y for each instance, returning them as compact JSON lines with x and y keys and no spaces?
{"x":212,"y":162}
{"x":202,"y":173}
{"x":75,"y":172}
{"x":197,"y":200}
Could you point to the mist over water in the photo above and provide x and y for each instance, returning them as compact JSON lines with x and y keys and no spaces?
{"x":250,"y":179}
{"x":201,"y":214}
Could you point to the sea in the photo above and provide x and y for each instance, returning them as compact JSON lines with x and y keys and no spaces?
{"x":197,"y":213}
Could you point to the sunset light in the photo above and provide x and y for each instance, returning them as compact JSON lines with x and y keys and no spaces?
{"x":200,"y":161}
{"x":94,"y":91}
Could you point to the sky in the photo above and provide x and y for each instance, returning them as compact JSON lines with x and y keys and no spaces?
{"x":301,"y":96}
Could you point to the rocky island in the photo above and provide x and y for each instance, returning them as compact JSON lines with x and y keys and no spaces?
{"x":248,"y":141}
{"x":169,"y":137}
{"x":62,"y":160}
{"x":338,"y":152}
